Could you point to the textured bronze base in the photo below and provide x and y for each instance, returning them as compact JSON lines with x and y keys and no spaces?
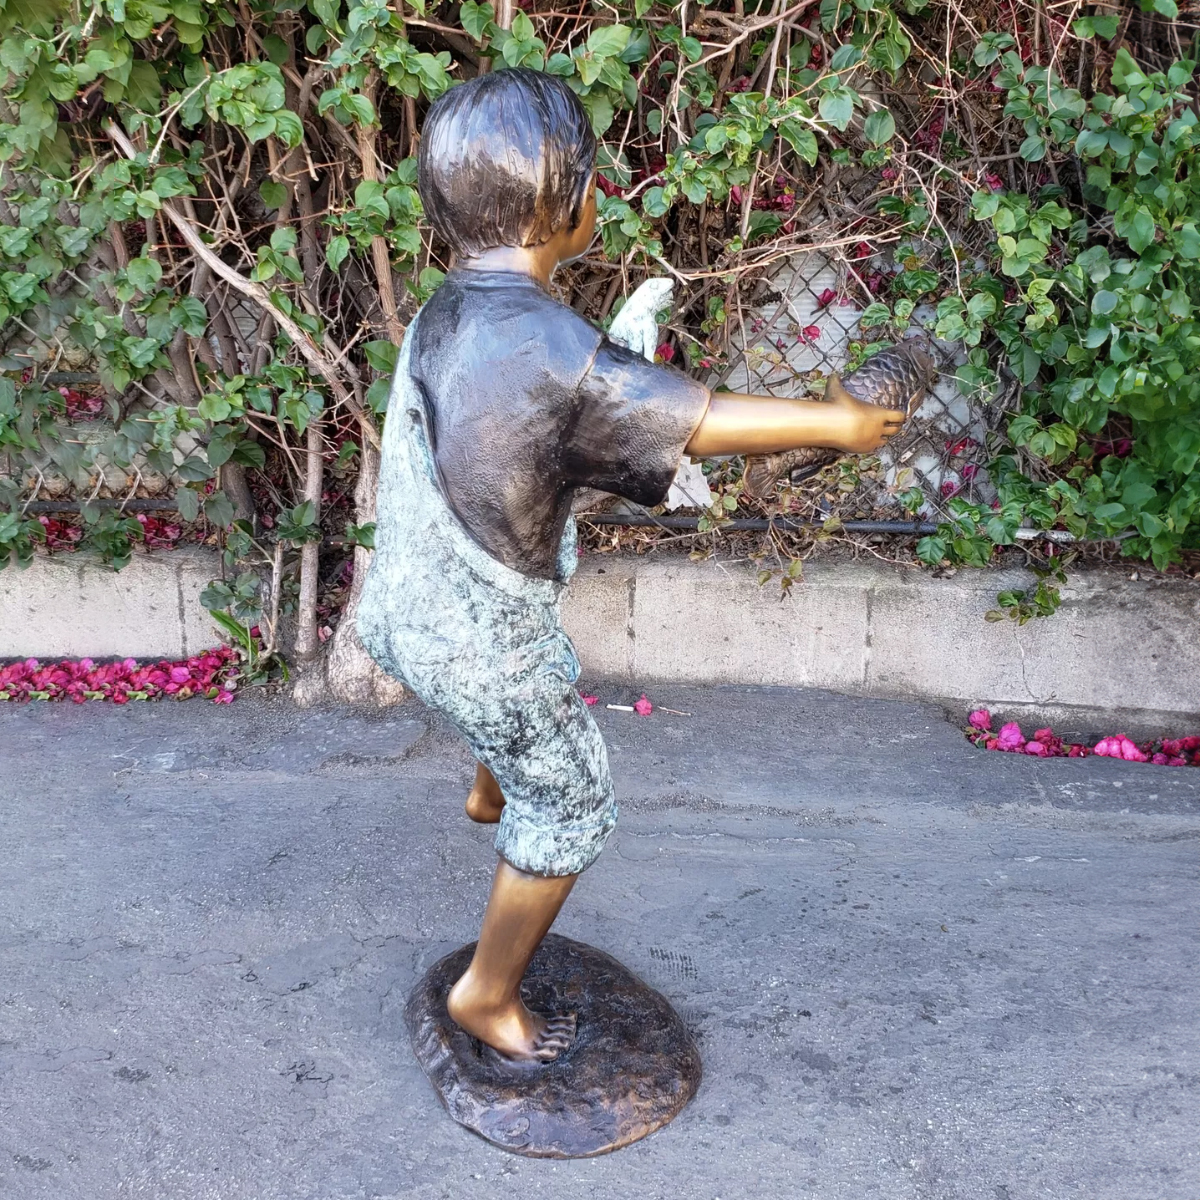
{"x":632,"y":1068}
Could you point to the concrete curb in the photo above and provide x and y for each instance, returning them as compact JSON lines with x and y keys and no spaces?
{"x":72,"y":606}
{"x":1118,"y":651}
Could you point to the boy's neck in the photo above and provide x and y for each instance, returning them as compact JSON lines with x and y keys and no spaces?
{"x":538,"y":262}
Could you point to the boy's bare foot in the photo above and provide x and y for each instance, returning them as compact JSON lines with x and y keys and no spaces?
{"x":485,"y":802}
{"x":509,"y":1027}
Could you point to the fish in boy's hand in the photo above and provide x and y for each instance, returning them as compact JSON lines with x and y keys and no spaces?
{"x":897,"y":377}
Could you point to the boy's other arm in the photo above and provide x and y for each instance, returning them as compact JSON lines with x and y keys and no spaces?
{"x":740,"y":424}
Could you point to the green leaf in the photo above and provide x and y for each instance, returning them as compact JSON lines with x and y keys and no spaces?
{"x":522,"y":27}
{"x":273,"y":194}
{"x":214,"y":407}
{"x":1105,"y":26}
{"x":143,"y":90}
{"x":381,"y":356}
{"x":144,"y":273}
{"x":1125,"y":72}
{"x":801,"y":139}
{"x":931,"y":550}
{"x":475,"y":18}
{"x":1033,"y":148}
{"x":188,"y":503}
{"x":879,"y":127}
{"x":1187,"y":239}
{"x":219,"y":450}
{"x":1139,"y":229}
{"x":219,"y":509}
{"x":837,"y":107}
{"x":1103,"y":302}
{"x":600,"y":111}
{"x":654,"y":203}
{"x":360,"y":108}
{"x":191,"y":316}
{"x":249,"y":454}
{"x":608,"y":41}
{"x":844,"y":57}
{"x":337,"y":250}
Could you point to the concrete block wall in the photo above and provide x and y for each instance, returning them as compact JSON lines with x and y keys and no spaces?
{"x":71,"y":606}
{"x":1116,"y":649}
{"x":1119,"y":650}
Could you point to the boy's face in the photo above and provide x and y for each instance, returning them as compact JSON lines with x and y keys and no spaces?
{"x":575,"y":242}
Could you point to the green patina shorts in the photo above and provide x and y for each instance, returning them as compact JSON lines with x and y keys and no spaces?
{"x":484,"y":645}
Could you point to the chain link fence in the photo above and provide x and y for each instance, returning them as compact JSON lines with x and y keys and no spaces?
{"x":805,"y":325}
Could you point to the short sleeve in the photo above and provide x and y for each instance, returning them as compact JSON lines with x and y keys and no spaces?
{"x":633,"y":420}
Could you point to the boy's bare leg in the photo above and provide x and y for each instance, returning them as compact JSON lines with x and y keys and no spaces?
{"x":485,"y":802}
{"x":486,"y":1001}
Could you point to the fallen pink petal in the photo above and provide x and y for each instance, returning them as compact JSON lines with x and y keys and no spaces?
{"x":1045,"y":743}
{"x":79,"y":680}
{"x":643,"y":707}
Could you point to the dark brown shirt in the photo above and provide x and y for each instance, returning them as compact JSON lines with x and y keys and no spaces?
{"x":528,"y":402}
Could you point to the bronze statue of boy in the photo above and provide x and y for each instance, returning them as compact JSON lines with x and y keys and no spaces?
{"x":506,"y":402}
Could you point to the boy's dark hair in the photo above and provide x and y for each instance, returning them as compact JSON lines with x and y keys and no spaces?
{"x":505,"y":160}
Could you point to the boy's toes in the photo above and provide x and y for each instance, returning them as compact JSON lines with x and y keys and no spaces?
{"x":557,"y":1036}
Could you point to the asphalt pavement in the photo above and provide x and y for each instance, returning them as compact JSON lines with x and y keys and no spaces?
{"x":914,"y":969}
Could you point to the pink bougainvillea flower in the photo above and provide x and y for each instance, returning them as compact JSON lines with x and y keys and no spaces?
{"x":994,"y":182}
{"x":120,"y":682}
{"x":980,"y":719}
{"x":992,"y":743}
{"x":590,"y":701}
{"x":1010,"y":738}
{"x":735,"y":194}
{"x":970,"y":471}
{"x":664,"y":353}
{"x":810,"y":333}
{"x":863,"y":250}
{"x":1037,"y":749}
{"x":827,"y":297}
{"x":1121,"y":747}
{"x":643,"y":707}
{"x":1045,"y":736}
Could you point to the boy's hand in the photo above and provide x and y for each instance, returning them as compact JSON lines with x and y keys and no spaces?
{"x":866,"y":427}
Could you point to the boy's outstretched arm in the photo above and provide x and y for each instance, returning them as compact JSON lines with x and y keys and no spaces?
{"x":740,"y":424}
